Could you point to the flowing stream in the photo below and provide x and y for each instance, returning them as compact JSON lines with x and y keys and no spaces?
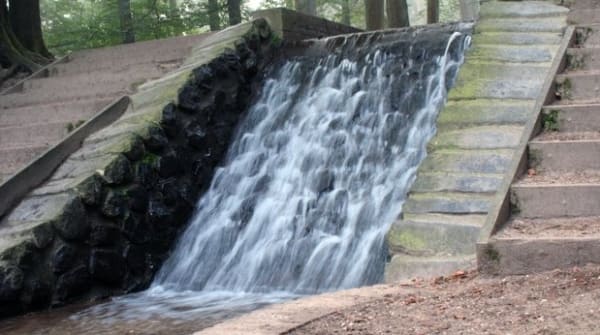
{"x":316,"y":174}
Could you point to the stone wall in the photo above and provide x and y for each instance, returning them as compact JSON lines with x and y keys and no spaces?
{"x":296,"y":26}
{"x":105,"y":221}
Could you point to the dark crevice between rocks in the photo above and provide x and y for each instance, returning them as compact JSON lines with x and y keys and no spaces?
{"x":119,"y":227}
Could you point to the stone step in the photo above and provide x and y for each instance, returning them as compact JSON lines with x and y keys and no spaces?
{"x":15,"y":158}
{"x":69,"y":112}
{"x":583,"y":4}
{"x":116,"y":69}
{"x":457,"y":182}
{"x":58,"y":95}
{"x":588,"y":36}
{"x":496,"y":89}
{"x":456,"y":114}
{"x":545,"y":200}
{"x":578,"y":86}
{"x":34,"y":134}
{"x":528,"y":9}
{"x":522,"y":24}
{"x":457,"y":219}
{"x":403,"y":267}
{"x":538,"y":54}
{"x":478,"y":137}
{"x":468,"y":161}
{"x":516,"y":38}
{"x":564,"y":155}
{"x":432,"y":238}
{"x":448,"y":202}
{"x":584,"y":16}
{"x":530,"y":246}
{"x":572,"y":118}
{"x":494,"y":70}
{"x":583,"y":59}
{"x":125,"y":78}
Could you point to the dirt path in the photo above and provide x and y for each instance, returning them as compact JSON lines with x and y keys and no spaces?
{"x":555,"y":302}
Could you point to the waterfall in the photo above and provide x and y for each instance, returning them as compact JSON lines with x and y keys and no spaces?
{"x":317,"y":172}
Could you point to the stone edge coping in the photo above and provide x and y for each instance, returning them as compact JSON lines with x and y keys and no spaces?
{"x":500,"y":212}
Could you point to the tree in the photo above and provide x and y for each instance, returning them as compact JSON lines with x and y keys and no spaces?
{"x":346,"y":12}
{"x":374,"y":14}
{"x":21,"y":42}
{"x":433,"y":11}
{"x":126,"y":21}
{"x":213,"y":15}
{"x":235,"y":12}
{"x":306,"y":6}
{"x":397,"y":13}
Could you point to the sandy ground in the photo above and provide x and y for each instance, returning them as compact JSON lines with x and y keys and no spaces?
{"x":556,"y":302}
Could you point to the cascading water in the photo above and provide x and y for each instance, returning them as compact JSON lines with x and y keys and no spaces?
{"x":316,"y":174}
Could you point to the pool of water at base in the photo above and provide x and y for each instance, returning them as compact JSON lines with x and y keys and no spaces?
{"x":153,"y":312}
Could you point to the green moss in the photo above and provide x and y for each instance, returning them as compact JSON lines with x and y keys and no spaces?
{"x":492,"y":254}
{"x":550,"y":120}
{"x":564,"y":88}
{"x":406,"y":239}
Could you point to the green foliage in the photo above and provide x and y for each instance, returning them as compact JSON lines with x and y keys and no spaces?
{"x":71,"y":25}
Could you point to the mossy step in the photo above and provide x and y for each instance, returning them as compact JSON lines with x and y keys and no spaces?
{"x":535,"y":54}
{"x":484,"y":111}
{"x":448,"y":202}
{"x":588,"y":36}
{"x":403,"y":267}
{"x":457,"y":182}
{"x":522,"y":24}
{"x":476,"y":220}
{"x":565,"y":155}
{"x":572,"y":118}
{"x":478,"y":137}
{"x":428,"y":239}
{"x":545,"y":200}
{"x":495,"y":70}
{"x":528,"y":9}
{"x":496,"y":89}
{"x":468,"y":161}
{"x":578,"y":86}
{"x":583,"y":59}
{"x":516,"y":38}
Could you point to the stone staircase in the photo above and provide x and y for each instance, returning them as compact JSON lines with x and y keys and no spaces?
{"x":45,"y":110}
{"x":479,"y":131}
{"x":555,"y":206}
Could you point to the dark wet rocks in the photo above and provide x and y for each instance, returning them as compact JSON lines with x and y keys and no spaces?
{"x":106,"y":220}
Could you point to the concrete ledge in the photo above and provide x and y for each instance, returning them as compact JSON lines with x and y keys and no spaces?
{"x":295,"y":26}
{"x":16,"y":187}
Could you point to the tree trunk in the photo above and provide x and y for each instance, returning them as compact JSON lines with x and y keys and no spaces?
{"x":433,"y":11}
{"x":126,"y":21}
{"x":234,"y":11}
{"x":213,"y":15}
{"x":306,"y":6}
{"x":173,"y":8}
{"x":397,"y":13}
{"x":346,"y":12}
{"x":374,"y":14}
{"x":26,"y":25}
{"x":12,"y":52}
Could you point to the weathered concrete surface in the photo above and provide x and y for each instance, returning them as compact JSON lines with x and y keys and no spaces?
{"x":105,"y":220}
{"x":478,"y":132}
{"x":555,"y":207}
